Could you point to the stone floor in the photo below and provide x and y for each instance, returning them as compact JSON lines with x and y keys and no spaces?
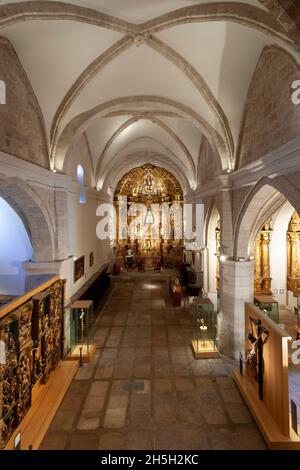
{"x":144,"y":390}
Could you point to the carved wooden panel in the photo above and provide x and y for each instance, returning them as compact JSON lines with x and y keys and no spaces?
{"x":30,"y":349}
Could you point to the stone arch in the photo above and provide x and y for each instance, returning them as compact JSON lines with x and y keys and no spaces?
{"x":161,"y":48}
{"x":144,"y":102}
{"x":154,"y":121}
{"x":26,"y":203}
{"x":136,"y":159}
{"x":245,"y":14}
{"x":263,"y":197}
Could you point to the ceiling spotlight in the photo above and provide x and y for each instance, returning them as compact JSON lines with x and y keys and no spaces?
{"x":223,"y":258}
{"x":54,"y":170}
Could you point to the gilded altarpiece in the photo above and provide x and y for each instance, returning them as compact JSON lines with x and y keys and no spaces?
{"x":293,"y":254}
{"x":262,"y":277}
{"x":30,"y":349}
{"x":149,"y":209}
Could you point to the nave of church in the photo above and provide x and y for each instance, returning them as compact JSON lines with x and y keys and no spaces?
{"x":149,"y":225}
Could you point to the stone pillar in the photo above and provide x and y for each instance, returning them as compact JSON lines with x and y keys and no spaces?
{"x":236,"y":289}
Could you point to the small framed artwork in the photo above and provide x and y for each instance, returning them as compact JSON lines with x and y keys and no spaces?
{"x":78,"y":268}
{"x":91,"y":259}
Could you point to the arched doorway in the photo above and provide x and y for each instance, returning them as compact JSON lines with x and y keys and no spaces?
{"x":268,"y":232}
{"x":277,"y":257}
{"x":15,"y":248}
{"x":34,"y":215}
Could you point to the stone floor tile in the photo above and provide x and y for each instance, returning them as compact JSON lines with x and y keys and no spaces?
{"x":239,"y":414}
{"x":231,"y":396}
{"x":54,"y":441}
{"x":214,"y":414}
{"x":163,"y":385}
{"x":89,"y":420}
{"x":139,"y":439}
{"x":63,"y":420}
{"x":115,"y":418}
{"x":225,"y":382}
{"x":222,"y":439}
{"x":249,"y":438}
{"x":86,"y":371}
{"x":83,"y":441}
{"x":111,"y":440}
{"x":183,"y":384}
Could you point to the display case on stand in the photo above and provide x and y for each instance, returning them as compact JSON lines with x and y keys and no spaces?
{"x":204,"y":342}
{"x":80,"y":325}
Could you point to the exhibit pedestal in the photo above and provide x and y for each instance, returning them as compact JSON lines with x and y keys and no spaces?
{"x":206,"y":350}
{"x":46,"y":400}
{"x":88,"y":352}
{"x":271,"y":432}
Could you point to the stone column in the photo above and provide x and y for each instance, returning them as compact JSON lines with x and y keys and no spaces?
{"x":236,"y":289}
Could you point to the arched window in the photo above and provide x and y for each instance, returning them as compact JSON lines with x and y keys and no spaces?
{"x":15,"y":248}
{"x":80,"y":180}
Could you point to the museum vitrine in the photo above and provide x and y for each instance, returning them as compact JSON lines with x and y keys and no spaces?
{"x":204,"y":342}
{"x":268,"y":305}
{"x":81,"y":330}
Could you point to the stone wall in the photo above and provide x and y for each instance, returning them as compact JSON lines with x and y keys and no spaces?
{"x":270,"y":118}
{"x":80,"y":153}
{"x":22,"y":131}
{"x":207,"y":165}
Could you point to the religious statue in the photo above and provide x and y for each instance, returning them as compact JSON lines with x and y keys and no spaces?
{"x":255,"y":361}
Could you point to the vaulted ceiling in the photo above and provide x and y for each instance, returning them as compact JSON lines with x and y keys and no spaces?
{"x":140,"y":77}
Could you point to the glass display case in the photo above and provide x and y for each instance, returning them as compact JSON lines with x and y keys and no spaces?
{"x":79,"y":330}
{"x":268,"y":305}
{"x":204,"y":343}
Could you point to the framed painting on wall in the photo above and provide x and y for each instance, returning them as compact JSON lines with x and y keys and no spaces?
{"x":78,"y":268}
{"x":91,"y":259}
